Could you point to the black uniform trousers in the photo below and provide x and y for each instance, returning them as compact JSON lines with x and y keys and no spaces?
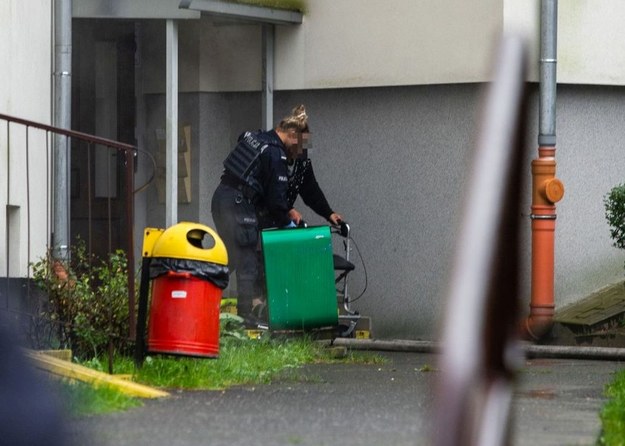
{"x":237,"y":225}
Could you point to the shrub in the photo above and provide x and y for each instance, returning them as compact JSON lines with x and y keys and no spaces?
{"x":614,"y":202}
{"x":613,"y":413}
{"x":87,"y":301}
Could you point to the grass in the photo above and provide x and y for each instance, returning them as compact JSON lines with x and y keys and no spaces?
{"x":240,"y":363}
{"x":83,"y":399}
{"x":613,"y":413}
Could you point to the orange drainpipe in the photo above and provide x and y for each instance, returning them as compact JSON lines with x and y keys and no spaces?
{"x":547,"y":190}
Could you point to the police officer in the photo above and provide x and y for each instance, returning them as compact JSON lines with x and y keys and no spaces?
{"x":303,"y":183}
{"x":255,"y":180}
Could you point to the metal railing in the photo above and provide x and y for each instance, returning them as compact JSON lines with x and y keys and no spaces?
{"x":104,"y":222}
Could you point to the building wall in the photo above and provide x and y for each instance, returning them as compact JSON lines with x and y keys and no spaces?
{"x":340,"y":44}
{"x":394,"y":162}
{"x":356,"y":43}
{"x":367,"y":43}
{"x":25,"y":48}
{"x":591,"y":38}
{"x":387,"y":158}
{"x":394,"y":159}
{"x":589,"y":153}
{"x":25,"y":92}
{"x":393,"y":95}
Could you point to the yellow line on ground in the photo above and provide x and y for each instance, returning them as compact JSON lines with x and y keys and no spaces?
{"x":75,"y":371}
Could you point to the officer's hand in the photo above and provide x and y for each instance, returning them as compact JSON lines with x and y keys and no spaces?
{"x":335,"y":218}
{"x":295,"y":216}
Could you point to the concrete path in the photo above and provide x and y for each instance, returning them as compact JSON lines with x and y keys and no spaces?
{"x":557,"y":403}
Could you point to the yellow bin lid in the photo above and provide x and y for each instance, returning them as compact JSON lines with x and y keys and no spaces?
{"x":186,"y":240}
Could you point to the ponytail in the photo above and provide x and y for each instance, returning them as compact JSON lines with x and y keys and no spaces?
{"x":297,"y":120}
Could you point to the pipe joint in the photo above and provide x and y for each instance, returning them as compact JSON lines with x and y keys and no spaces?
{"x":543,"y":217}
{"x":539,"y":322}
{"x":547,"y":189}
{"x":552,"y":190}
{"x":536,"y":327}
{"x":547,"y":140}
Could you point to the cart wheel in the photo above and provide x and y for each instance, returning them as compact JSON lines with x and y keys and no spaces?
{"x":344,"y":331}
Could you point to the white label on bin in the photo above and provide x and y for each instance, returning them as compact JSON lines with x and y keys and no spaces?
{"x":179,"y":294}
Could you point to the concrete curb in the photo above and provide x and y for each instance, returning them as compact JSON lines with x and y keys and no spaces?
{"x":69,"y":370}
{"x":530,"y":350}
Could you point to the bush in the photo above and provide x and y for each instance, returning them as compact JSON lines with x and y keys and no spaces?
{"x":614,"y":202}
{"x":613,"y":413}
{"x":87,"y":301}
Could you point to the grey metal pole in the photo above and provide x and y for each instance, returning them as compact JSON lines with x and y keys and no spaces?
{"x":62,"y":119}
{"x":547,"y":190}
{"x":268,"y":75}
{"x":171,"y":163}
{"x":548,"y":63}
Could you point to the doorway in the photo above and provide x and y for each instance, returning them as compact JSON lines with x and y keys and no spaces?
{"x":103,"y":104}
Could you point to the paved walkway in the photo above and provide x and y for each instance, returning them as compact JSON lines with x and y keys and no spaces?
{"x":557,"y":403}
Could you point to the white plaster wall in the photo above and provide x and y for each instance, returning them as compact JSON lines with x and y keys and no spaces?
{"x":355,"y":43}
{"x":26,"y":52}
{"x":341,"y":43}
{"x":366,"y":43}
{"x":25,"y":92}
{"x":522,"y":18}
{"x":591,"y":38}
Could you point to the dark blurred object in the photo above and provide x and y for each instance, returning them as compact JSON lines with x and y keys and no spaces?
{"x":481,"y":353}
{"x":30,"y":412}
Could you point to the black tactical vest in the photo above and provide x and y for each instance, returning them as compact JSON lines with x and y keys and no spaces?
{"x":243,"y":163}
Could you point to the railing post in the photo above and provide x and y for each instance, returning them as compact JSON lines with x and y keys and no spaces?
{"x":130,"y":231}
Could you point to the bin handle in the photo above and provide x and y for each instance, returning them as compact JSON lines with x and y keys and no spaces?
{"x":178,"y":274}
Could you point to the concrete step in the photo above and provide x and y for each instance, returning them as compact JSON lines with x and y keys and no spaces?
{"x":596,"y":320}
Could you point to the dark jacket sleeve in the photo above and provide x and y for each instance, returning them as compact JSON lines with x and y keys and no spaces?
{"x":312,"y":194}
{"x":273,"y":176}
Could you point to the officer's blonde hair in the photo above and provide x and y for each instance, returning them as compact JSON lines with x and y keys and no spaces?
{"x":297,"y":120}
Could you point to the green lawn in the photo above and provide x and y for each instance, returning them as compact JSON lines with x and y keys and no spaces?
{"x":83,"y":399}
{"x":246,"y":362}
{"x":613,"y":413}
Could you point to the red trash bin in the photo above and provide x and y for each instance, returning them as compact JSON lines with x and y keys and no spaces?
{"x":186,"y":291}
{"x":184,"y":316}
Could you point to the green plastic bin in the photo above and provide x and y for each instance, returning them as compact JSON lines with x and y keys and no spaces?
{"x":299,"y":274}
